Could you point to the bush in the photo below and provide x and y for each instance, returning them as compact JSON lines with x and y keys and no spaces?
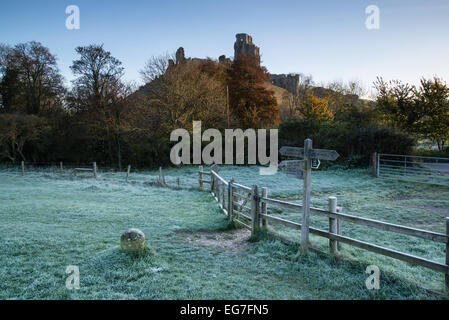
{"x":355,"y":145}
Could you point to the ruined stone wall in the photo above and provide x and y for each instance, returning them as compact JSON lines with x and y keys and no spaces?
{"x":289,"y":82}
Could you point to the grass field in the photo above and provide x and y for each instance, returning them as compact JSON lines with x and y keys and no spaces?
{"x":49,"y":222}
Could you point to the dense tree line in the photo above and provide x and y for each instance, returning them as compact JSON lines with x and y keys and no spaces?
{"x":101,"y":118}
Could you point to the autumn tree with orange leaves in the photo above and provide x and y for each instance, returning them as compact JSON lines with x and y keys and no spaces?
{"x":250,"y":102}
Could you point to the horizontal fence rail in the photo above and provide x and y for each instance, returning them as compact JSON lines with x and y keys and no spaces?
{"x":428,"y":170}
{"x":246,"y":207}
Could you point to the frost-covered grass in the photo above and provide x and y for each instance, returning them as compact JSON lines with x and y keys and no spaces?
{"x":49,"y":222}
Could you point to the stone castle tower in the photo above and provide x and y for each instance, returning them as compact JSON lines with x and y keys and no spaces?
{"x":244,"y":45}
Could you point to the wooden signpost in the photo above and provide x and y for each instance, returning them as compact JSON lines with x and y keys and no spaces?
{"x":302,"y":169}
{"x":292,"y":168}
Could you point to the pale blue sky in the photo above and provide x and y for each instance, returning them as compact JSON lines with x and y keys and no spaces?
{"x":327,"y":39}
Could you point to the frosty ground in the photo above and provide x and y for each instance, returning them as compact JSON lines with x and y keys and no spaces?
{"x":49,"y":222}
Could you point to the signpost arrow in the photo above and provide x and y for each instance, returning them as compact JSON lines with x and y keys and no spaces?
{"x":292,"y":168}
{"x":323,"y":154}
{"x":292,"y":152}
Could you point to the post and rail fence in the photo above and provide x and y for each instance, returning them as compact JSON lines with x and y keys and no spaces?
{"x":245,"y":206}
{"x":248,"y":207}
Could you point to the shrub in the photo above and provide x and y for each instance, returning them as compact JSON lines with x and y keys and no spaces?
{"x":353,"y":144}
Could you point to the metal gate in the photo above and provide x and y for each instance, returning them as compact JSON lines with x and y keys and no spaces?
{"x":429,"y":170}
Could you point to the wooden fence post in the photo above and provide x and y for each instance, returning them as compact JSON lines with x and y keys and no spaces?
{"x":306,"y":197}
{"x":230,"y":200}
{"x":374,"y":164}
{"x":332,"y":202}
{"x":339,"y":210}
{"x":264,"y":207}
{"x":200,"y":176}
{"x":223,"y":196}
{"x":254,"y":209}
{"x":127,"y":172}
{"x":60,"y":168}
{"x":23,"y":168}
{"x":378,"y":165}
{"x":212,"y":179}
{"x":161,"y":178}
{"x":446,"y":276}
{"x":95,"y":170}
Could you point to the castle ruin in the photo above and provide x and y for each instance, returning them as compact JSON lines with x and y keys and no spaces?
{"x":244,"y":45}
{"x":289,"y":82}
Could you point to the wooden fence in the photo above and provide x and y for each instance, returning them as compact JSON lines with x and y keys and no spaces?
{"x":248,"y":207}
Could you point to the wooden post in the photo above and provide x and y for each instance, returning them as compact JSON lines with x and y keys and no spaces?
{"x":161,"y":177}
{"x":223,"y":196}
{"x":212,"y":179}
{"x":264,"y":207}
{"x":339,"y":210}
{"x":374,"y":164}
{"x":227,"y":105}
{"x":230,"y":200}
{"x":254,"y":210}
{"x":332,"y":202}
{"x":95,"y":170}
{"x":200,"y":176}
{"x":378,"y":165}
{"x":23,"y":168}
{"x":405,"y":165}
{"x":217,"y":190}
{"x":177,"y":182}
{"x":127,"y":172}
{"x":446,"y":276}
{"x":60,"y":168}
{"x":306,"y":197}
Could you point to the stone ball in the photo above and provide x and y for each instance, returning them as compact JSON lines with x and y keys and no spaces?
{"x":132,"y":240}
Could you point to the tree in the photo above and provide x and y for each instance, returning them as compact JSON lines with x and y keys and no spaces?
{"x":250,"y":101}
{"x":30,"y":79}
{"x":155,"y":67}
{"x":396,"y":100}
{"x":183,"y":93}
{"x":432,"y":105}
{"x":314,"y":108}
{"x":18,"y":130}
{"x":98,"y":98}
{"x":423,"y":111}
{"x":98,"y":74}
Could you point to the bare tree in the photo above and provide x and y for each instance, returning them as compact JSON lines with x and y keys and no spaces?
{"x":155,"y":67}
